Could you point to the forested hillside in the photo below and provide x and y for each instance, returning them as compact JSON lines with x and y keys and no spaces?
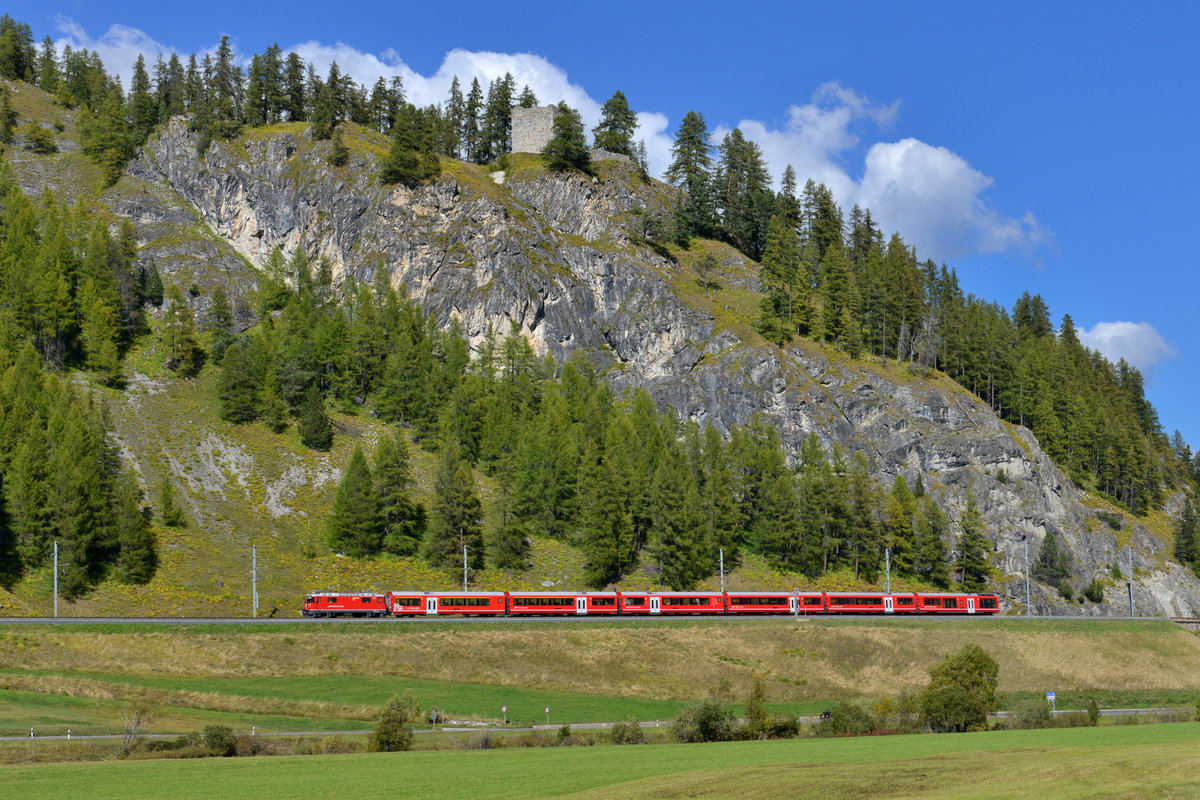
{"x":571,"y":446}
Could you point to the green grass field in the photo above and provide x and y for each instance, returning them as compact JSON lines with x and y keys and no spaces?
{"x":1118,"y":762}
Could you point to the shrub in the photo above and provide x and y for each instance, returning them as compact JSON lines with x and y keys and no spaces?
{"x":846,"y":719}
{"x":1032,"y":715}
{"x":627,"y":732}
{"x":709,"y":721}
{"x":220,"y":740}
{"x":39,"y":140}
{"x":1094,"y":591}
{"x":1093,"y":712}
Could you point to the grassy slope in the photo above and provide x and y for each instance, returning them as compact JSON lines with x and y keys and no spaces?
{"x":585,"y":670}
{"x":1158,"y":761}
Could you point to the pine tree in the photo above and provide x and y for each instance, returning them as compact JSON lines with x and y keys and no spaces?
{"x":316,"y":431}
{"x":509,"y":544}
{"x":143,"y":110}
{"x":973,"y":546}
{"x":339,"y":154}
{"x":899,"y":524}
{"x":402,"y":518}
{"x":1053,"y":565}
{"x":137,"y":560}
{"x":170,"y":513}
{"x":1185,"y":537}
{"x":930,"y":561}
{"x":240,"y":382}
{"x":567,"y":149}
{"x":614,"y":132}
{"x":456,"y":515}
{"x":183,"y":353}
{"x":219,"y":324}
{"x":354,"y":526}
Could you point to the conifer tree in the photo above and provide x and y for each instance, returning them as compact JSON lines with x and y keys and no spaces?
{"x":240,"y":382}
{"x":509,"y":544}
{"x":137,"y":560}
{"x":183,"y":353}
{"x":168,"y":511}
{"x":354,"y":526}
{"x":930,"y":561}
{"x":456,"y":515}
{"x":567,"y":149}
{"x":899,"y":524}
{"x":402,"y":518}
{"x":973,"y":546}
{"x":1053,"y":566}
{"x":219,"y":324}
{"x":1185,"y":537}
{"x":316,"y":431}
{"x":614,"y":132}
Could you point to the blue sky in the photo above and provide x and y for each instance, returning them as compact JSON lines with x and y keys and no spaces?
{"x":1047,"y":147}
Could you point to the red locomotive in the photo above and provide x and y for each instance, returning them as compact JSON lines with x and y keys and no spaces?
{"x":537,"y":603}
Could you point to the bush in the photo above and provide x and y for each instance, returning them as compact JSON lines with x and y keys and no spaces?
{"x":39,"y":140}
{"x":1093,"y":712}
{"x":1094,"y":591}
{"x":627,"y":732}
{"x":220,"y":740}
{"x":709,"y":721}
{"x":1032,"y":715}
{"x":846,"y":719}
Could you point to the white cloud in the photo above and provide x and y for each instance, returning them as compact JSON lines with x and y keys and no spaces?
{"x":931,"y":195}
{"x":118,"y":47}
{"x":935,"y":199}
{"x":1136,"y":342}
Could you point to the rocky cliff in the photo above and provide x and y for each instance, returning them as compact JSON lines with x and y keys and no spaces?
{"x":560,"y":258}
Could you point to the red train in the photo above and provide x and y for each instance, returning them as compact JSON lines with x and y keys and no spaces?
{"x":536,"y":603}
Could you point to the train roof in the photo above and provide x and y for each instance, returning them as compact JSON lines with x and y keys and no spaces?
{"x":344,"y":594}
{"x":417,"y":592}
{"x":536,"y":593}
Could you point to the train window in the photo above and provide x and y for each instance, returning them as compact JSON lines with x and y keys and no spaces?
{"x":904,"y":601}
{"x":408,"y":602}
{"x":460,"y":602}
{"x":309,"y":600}
{"x":686,"y":601}
{"x":544,"y":601}
{"x":950,"y":602}
{"x":988,"y":602}
{"x":812,"y":601}
{"x":604,"y":601}
{"x":635,"y":601}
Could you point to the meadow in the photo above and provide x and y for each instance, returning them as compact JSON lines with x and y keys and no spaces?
{"x":1106,"y":762}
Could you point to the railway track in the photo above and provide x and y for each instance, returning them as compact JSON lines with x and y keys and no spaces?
{"x":566,"y":619}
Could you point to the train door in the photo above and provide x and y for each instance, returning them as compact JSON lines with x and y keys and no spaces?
{"x":655,"y":605}
{"x":431,"y":605}
{"x":794,"y":604}
{"x":580,"y":605}
{"x":970,"y":605}
{"x":889,"y":605}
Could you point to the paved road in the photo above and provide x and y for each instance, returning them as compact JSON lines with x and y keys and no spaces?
{"x":466,"y":727}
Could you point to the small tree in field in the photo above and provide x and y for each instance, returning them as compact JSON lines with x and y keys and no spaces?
{"x":390,"y":734}
{"x":962,"y":690}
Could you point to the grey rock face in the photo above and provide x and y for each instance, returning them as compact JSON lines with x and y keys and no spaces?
{"x":551,"y":256}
